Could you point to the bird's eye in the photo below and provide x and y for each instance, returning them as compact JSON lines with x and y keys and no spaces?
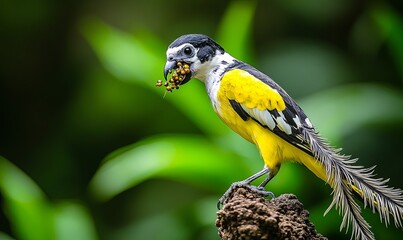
{"x":187,"y":51}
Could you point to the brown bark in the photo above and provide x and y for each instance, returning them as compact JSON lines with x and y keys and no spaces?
{"x":247,"y":216}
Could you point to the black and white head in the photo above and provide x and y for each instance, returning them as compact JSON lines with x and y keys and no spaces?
{"x":198,"y":51}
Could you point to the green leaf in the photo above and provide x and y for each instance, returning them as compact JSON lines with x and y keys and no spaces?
{"x":25,"y":204}
{"x":188,"y":159}
{"x":123,"y":54}
{"x":73,"y":221}
{"x":339,"y":111}
{"x":235,"y":29}
{"x":33,"y":217}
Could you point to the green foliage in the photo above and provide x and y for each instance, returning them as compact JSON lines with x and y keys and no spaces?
{"x":235,"y":29}
{"x":32,"y":215}
{"x":390,"y":24}
{"x":26,"y":205}
{"x":350,"y":104}
{"x":165,"y":183}
{"x":190,"y":159}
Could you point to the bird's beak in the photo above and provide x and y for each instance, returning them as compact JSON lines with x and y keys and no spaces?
{"x":169,"y":65}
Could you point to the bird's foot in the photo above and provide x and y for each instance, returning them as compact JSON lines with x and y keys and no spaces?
{"x":259,"y":190}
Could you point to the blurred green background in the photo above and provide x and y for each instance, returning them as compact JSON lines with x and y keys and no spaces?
{"x":93,"y":150}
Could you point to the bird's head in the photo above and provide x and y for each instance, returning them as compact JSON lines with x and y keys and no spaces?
{"x":196,"y":50}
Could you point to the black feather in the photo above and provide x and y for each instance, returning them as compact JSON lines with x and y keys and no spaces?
{"x":198,"y":41}
{"x":238,"y":109}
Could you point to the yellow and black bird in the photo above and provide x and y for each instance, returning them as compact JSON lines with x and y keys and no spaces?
{"x":259,"y":110}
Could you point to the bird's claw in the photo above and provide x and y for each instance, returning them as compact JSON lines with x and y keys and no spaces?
{"x":259,"y":190}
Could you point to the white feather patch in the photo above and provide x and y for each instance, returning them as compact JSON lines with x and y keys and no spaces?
{"x":282,"y":125}
{"x":297,"y":121}
{"x":264,"y":117}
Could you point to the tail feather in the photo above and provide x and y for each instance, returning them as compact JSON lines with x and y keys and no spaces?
{"x":346,"y":178}
{"x":348,"y":208}
{"x":387,"y":201}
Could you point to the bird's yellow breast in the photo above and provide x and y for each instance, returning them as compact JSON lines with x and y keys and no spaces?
{"x":244,"y":88}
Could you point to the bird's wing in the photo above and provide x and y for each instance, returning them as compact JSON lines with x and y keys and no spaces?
{"x":253,"y":95}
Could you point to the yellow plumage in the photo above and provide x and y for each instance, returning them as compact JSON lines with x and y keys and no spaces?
{"x":245,"y":89}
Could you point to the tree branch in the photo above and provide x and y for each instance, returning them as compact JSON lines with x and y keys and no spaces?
{"x":247,"y":216}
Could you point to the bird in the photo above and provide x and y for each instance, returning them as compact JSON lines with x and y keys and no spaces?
{"x":262,"y":112}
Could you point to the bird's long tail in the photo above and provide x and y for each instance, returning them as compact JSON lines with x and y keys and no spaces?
{"x":346,"y":178}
